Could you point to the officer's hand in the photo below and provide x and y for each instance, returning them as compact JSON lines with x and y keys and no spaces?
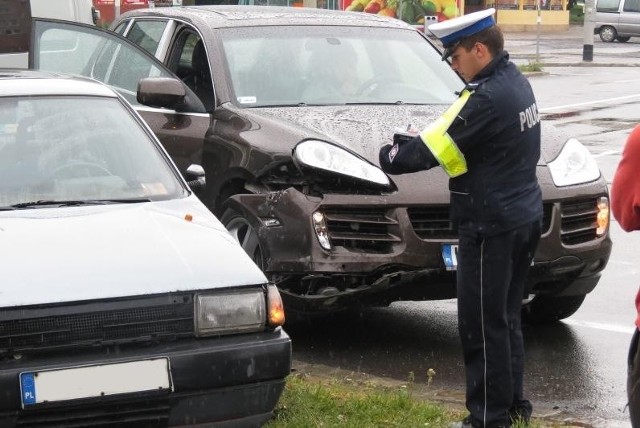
{"x":386,"y":156}
{"x":389,"y":152}
{"x":407,"y":154}
{"x":401,"y":138}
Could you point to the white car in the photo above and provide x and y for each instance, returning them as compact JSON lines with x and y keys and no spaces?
{"x":123,"y":297}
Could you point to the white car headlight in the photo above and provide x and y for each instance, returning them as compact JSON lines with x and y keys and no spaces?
{"x":318,"y":154}
{"x":574,"y":165}
{"x":230,"y":312}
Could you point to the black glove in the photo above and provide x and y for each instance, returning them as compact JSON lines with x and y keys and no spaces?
{"x":407,"y":154}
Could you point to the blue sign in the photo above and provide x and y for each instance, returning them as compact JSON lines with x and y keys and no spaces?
{"x":28,"y":387}
{"x":450,"y":256}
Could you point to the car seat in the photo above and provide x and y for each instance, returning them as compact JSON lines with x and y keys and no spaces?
{"x":200,"y":81}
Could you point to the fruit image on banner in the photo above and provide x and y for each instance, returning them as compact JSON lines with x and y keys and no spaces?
{"x":410,"y":11}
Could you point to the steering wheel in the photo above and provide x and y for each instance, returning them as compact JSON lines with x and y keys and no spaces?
{"x":74,"y":169}
{"x":371,"y":85}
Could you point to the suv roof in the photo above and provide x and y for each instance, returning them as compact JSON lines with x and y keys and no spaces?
{"x":257,"y":16}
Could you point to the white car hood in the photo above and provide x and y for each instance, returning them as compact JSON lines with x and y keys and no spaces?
{"x":52,"y":255}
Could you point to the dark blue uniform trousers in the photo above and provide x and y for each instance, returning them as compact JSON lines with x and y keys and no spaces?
{"x":490,"y":286}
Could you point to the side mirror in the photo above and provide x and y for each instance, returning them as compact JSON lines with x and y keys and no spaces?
{"x":195,"y":176}
{"x":161,"y":92}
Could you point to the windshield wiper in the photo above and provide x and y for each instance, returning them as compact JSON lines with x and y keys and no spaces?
{"x":75,"y":203}
{"x":377,"y":103}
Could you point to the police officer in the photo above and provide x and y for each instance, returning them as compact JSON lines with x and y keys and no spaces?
{"x":488,"y":142}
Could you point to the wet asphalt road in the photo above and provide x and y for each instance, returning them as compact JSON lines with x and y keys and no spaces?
{"x":575,"y":368}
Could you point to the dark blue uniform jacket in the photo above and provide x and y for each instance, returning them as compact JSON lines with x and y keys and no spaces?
{"x":498,"y":131}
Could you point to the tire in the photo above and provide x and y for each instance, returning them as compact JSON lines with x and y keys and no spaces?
{"x":245,"y":234}
{"x":549,"y":309}
{"x":623,"y":39}
{"x":608,"y":34}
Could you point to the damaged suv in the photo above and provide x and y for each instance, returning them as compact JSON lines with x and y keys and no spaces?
{"x":286,"y":110}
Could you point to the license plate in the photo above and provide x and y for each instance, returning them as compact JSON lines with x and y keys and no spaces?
{"x":94,"y":381}
{"x":450,"y":256}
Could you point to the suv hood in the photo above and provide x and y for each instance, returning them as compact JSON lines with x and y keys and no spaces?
{"x":365,"y":128}
{"x":55,"y":255}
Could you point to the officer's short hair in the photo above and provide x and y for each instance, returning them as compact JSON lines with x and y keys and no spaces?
{"x":490,"y":37}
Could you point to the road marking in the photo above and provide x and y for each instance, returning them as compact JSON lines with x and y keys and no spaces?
{"x":606,"y":100}
{"x":601,"y":326}
{"x":607,"y":153}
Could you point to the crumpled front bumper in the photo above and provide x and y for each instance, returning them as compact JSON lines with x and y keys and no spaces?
{"x":386,"y":249}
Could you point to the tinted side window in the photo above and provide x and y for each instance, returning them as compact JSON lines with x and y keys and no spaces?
{"x":632,"y":6}
{"x":188,"y":60}
{"x":147,"y":34}
{"x":608,"y":5}
{"x":121,"y":27}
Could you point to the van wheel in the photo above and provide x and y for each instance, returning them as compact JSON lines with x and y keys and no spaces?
{"x":622,"y":39}
{"x":548,"y":309}
{"x":245,"y":234}
{"x":608,"y":34}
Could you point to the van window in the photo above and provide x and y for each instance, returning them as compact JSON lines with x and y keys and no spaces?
{"x":15,"y":26}
{"x":632,"y":6}
{"x":608,"y":5}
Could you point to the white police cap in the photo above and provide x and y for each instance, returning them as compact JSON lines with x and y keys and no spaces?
{"x":451,"y":31}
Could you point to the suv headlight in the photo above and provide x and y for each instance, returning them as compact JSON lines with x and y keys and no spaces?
{"x":574,"y":165}
{"x":329,"y":157}
{"x":230,"y":312}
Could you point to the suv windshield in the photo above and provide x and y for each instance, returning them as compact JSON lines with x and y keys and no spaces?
{"x":276,"y":66}
{"x":80,"y":149}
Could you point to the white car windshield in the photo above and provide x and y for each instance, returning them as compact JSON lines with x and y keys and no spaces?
{"x":78,"y":149}
{"x":277,"y":66}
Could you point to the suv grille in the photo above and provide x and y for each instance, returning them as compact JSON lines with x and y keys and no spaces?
{"x":362,"y":229}
{"x":84,"y":325}
{"x":434,"y":223}
{"x":578,"y":221}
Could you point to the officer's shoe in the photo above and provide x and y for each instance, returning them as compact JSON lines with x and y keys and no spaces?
{"x":520,"y":414}
{"x":465,"y":423}
{"x":468,"y":423}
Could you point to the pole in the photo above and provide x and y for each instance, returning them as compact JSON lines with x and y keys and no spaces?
{"x":587,"y":49}
{"x":538,"y":21}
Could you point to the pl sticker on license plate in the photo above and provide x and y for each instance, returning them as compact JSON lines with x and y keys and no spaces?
{"x":450,"y":256}
{"x":74,"y":383}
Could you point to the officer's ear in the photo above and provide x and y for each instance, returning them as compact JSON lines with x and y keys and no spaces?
{"x":481,"y":50}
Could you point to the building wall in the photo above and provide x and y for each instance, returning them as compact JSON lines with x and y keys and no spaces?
{"x":522,"y":15}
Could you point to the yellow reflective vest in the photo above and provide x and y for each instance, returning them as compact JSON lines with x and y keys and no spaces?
{"x":441,"y":145}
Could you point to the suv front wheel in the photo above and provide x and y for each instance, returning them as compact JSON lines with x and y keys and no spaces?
{"x":548,"y":309}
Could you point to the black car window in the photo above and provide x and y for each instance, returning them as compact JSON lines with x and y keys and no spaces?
{"x":147,"y":34}
{"x":189,"y":61}
{"x":121,"y":27}
{"x":15,"y":26}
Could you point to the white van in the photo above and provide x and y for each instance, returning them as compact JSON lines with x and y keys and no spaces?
{"x":15,"y":22}
{"x":617,"y":20}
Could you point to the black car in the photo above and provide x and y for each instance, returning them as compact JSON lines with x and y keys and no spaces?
{"x":286,"y":109}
